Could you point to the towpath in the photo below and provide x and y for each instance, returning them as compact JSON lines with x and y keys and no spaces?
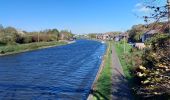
{"x":120,"y":88}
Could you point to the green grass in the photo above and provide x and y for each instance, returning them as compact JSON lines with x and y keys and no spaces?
{"x":104,"y":82}
{"x":129,"y":58}
{"x":124,"y":56}
{"x":9,"y":49}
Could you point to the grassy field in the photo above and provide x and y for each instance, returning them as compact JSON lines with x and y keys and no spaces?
{"x":10,"y":49}
{"x":104,"y":82}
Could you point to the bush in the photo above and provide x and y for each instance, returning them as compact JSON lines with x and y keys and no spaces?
{"x":153,"y":76}
{"x":27,"y":39}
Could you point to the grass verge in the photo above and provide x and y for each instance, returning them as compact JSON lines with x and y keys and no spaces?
{"x":104,"y":82}
{"x":11,"y":49}
{"x":124,"y":56}
{"x":129,"y":57}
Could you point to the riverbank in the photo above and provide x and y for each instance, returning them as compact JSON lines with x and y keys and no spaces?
{"x":103,"y":84}
{"x":18,"y":48}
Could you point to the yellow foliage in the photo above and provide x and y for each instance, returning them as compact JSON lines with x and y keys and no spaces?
{"x":145,"y":82}
{"x":142,"y":68}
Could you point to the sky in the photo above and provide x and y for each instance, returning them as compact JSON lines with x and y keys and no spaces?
{"x":79,"y":16}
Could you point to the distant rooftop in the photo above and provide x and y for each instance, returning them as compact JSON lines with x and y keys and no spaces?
{"x":152,"y":32}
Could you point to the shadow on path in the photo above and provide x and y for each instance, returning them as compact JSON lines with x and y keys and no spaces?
{"x":120,"y":88}
{"x":98,"y":95}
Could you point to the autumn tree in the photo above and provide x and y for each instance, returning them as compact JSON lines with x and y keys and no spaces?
{"x":152,"y":78}
{"x":136,"y":32}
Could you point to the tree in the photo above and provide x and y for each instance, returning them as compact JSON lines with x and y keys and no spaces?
{"x":54,"y":34}
{"x":136,"y":33}
{"x":65,"y":35}
{"x":8,"y":35}
{"x":92,"y":35}
{"x":158,"y":13}
{"x":153,"y":76}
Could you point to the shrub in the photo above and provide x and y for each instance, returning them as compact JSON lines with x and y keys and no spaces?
{"x":153,"y":76}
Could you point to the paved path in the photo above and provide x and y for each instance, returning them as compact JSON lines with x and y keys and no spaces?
{"x":120,"y":90}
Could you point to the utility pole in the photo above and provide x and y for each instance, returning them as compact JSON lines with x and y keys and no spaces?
{"x":168,"y":3}
{"x":124,"y":43}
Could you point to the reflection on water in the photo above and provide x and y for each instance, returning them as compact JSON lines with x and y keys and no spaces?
{"x":57,"y":73}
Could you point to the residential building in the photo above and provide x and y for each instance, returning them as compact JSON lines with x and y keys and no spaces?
{"x":147,"y":35}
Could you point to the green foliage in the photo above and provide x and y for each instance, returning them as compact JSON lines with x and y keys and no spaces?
{"x":10,"y":35}
{"x":11,"y":39}
{"x":27,"y":39}
{"x":7,"y":38}
{"x":136,"y":32}
{"x":126,"y":58}
{"x":92,"y":36}
{"x":65,"y":35}
{"x":24,"y":47}
{"x":53,"y":34}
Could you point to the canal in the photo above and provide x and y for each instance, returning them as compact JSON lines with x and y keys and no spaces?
{"x":57,"y":73}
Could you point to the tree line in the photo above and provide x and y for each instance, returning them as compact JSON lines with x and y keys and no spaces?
{"x":10,"y":35}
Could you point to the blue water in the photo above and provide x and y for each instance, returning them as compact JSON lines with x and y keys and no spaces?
{"x":57,"y":73}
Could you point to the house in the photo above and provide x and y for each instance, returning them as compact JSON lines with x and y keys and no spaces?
{"x":117,"y":38}
{"x":147,"y":35}
{"x":99,"y":36}
{"x":106,"y":37}
{"x":120,"y":37}
{"x":111,"y":35}
{"x":103,"y":36}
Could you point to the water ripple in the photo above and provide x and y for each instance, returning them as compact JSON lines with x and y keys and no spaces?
{"x":57,"y":73}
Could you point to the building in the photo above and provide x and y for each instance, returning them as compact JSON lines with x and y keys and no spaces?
{"x":147,"y":35}
{"x":106,"y":37}
{"x":121,"y":36}
{"x":99,"y":36}
{"x":103,"y":36}
{"x":117,"y":38}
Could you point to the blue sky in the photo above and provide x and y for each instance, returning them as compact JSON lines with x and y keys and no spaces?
{"x":79,"y":16}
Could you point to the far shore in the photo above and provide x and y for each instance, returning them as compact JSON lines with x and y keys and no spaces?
{"x":20,"y":48}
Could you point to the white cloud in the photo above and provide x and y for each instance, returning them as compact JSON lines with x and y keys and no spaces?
{"x":138,"y":5}
{"x":141,"y":8}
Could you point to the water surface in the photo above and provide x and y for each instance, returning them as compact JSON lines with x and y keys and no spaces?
{"x":57,"y":73}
